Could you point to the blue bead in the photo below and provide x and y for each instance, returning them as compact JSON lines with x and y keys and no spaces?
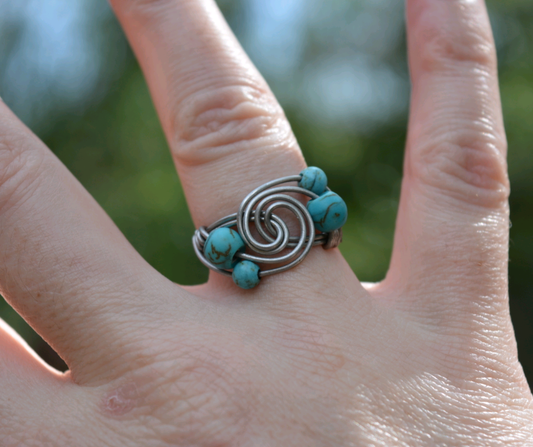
{"x":313,"y":179}
{"x":221,"y":246}
{"x":329,"y":212}
{"x":246,"y":274}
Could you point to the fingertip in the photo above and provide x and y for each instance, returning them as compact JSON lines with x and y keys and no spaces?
{"x":447,"y":35}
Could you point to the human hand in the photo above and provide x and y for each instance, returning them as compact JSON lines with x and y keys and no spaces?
{"x":311,"y":356}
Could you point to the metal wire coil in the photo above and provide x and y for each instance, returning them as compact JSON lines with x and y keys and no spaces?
{"x":258,"y":208}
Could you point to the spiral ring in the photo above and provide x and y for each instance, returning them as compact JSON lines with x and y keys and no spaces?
{"x":271,"y":236}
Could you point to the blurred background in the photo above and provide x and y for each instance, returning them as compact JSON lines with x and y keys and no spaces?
{"x":339,"y":69}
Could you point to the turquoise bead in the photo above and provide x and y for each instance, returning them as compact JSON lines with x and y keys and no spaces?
{"x":329,"y":212}
{"x":313,"y":179}
{"x":221,"y":247}
{"x":246,"y":274}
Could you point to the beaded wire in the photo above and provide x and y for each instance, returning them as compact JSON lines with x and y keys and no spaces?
{"x":258,"y":208}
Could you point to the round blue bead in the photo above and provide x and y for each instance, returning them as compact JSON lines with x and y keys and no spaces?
{"x":221,"y":246}
{"x":329,"y":212}
{"x":313,"y":179}
{"x":246,"y":274}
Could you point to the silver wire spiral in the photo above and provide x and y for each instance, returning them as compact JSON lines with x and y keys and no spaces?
{"x":258,"y":208}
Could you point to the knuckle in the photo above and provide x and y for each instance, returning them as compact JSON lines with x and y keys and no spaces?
{"x":200,"y":394}
{"x":472,"y":170}
{"x":214,"y":123}
{"x":447,"y":45}
{"x":212,"y":399}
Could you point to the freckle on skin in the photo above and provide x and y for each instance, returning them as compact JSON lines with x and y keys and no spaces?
{"x":120,"y":400}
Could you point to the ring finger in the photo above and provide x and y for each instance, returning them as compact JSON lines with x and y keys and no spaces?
{"x":226,"y":131}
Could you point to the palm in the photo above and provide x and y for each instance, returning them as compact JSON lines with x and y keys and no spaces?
{"x":312,"y":356}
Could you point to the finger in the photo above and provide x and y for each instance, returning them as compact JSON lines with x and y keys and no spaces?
{"x":452,"y":227}
{"x":64,"y":266}
{"x":226,"y":131}
{"x":34,"y":398}
{"x":25,"y":383}
{"x":18,"y":361}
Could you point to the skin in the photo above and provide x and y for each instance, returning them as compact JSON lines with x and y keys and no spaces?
{"x":311,"y":357}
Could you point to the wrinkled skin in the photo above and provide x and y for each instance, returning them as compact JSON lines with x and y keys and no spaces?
{"x":312,"y":357}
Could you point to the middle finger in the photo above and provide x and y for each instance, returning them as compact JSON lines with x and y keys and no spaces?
{"x":226,"y":131}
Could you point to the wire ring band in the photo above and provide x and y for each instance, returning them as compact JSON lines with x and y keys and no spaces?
{"x":221,"y":248}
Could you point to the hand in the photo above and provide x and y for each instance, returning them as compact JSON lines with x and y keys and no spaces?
{"x":312,"y":356}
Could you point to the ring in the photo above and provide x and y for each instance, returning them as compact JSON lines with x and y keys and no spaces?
{"x":230,"y":248}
